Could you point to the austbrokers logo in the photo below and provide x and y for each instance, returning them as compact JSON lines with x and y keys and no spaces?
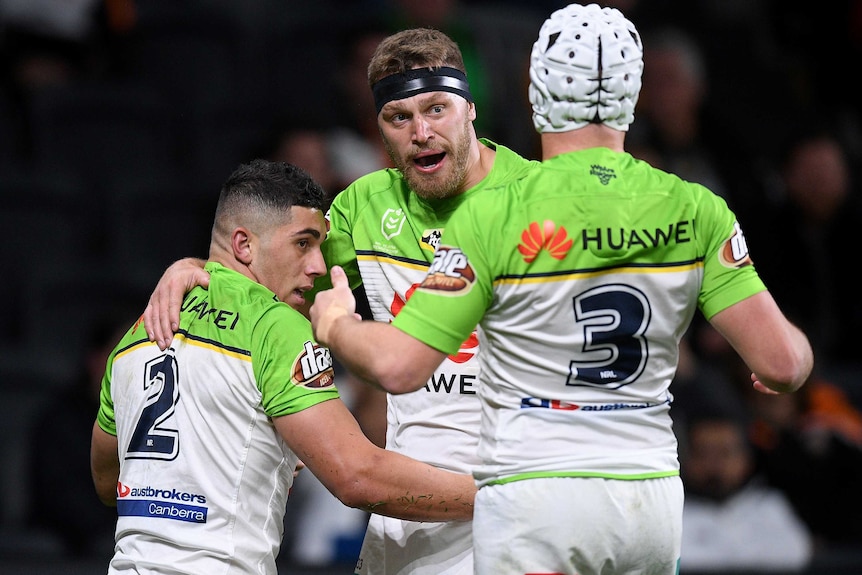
{"x":149,"y":491}
{"x":313,"y":367}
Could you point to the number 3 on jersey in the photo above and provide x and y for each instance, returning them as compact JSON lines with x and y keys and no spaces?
{"x":613,"y":318}
{"x":151,"y":439}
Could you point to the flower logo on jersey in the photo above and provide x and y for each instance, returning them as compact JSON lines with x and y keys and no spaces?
{"x":313,"y":367}
{"x":535,"y":239}
{"x":468,"y":348}
{"x":431,"y":239}
{"x":392,"y":222}
{"x":734,"y":251}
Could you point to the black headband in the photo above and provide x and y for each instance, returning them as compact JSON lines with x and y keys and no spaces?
{"x":418,"y":81}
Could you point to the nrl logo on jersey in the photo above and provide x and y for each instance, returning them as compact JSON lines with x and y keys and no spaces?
{"x":734,"y":251}
{"x":450,"y":272}
{"x":392,"y":222}
{"x":313,"y":367}
{"x":431,"y":239}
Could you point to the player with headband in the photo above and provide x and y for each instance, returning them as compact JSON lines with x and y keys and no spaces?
{"x":583,"y":277}
{"x":384,"y":229}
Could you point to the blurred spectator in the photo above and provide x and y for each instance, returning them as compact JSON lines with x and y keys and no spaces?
{"x":307,"y":147}
{"x":60,"y":455}
{"x":355,"y":144}
{"x":681,"y":130}
{"x":809,"y":445}
{"x":732,"y":520}
{"x":803,"y":243}
{"x":51,"y":43}
{"x":811,"y":60}
{"x":706,"y":377}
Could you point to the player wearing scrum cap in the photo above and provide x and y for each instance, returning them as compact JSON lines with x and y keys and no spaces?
{"x":384,"y":229}
{"x":583,"y":277}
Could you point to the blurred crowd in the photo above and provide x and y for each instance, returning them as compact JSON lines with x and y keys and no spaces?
{"x":120,"y":118}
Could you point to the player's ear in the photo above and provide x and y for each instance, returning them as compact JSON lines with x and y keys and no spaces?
{"x":471,"y":111}
{"x":243,"y":244}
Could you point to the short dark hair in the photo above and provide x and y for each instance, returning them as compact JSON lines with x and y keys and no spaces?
{"x":263,"y":188}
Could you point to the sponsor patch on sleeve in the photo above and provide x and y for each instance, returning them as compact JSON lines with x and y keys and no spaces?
{"x":313,"y":367}
{"x":450,"y":272}
{"x":734,"y":251}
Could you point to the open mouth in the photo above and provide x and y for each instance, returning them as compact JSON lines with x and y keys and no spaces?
{"x":429,"y":161}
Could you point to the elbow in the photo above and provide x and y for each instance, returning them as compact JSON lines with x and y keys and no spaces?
{"x":352,"y":496}
{"x":398,"y":383}
{"x":404,"y":374}
{"x":108,"y":498}
{"x":796,"y":374}
{"x":354,"y":490}
{"x":789,"y":375}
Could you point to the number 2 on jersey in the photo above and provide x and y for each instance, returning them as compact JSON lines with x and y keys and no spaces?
{"x":151,"y":439}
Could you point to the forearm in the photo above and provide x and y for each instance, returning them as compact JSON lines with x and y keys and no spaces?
{"x":382,"y":355}
{"x":354,"y":344}
{"x":397,"y":486}
{"x":104,"y":465}
{"x":367,"y":477}
{"x":798,"y":364}
{"x":775,"y":350}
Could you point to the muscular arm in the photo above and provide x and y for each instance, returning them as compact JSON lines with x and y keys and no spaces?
{"x":104,"y":465}
{"x":776,"y":351}
{"x":376,"y":352}
{"x":329,"y":441}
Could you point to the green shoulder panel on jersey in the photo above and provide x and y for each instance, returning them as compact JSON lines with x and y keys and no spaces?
{"x":579,"y":215}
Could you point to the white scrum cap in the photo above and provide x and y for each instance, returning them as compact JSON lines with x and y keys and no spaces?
{"x":585,"y":68}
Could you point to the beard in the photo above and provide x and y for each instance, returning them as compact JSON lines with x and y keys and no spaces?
{"x":445,"y":183}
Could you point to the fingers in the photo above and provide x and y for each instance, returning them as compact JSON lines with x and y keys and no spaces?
{"x":763,"y":389}
{"x":338,"y":277}
{"x":162,"y":315}
{"x":759,"y":386}
{"x":169,"y":314}
{"x":149,"y":317}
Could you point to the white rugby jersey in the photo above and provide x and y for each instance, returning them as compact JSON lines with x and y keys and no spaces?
{"x":384,"y":236}
{"x":204,"y":475}
{"x":583,"y":277}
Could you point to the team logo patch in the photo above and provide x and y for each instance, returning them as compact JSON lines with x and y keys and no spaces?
{"x":450,"y":272}
{"x":734,"y":251}
{"x":431,"y":239}
{"x":392,"y":222}
{"x":313,"y":367}
{"x":547,"y":237}
{"x":605,"y":175}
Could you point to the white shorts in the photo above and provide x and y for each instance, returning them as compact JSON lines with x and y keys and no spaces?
{"x":396,"y":547}
{"x":579,"y":526}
